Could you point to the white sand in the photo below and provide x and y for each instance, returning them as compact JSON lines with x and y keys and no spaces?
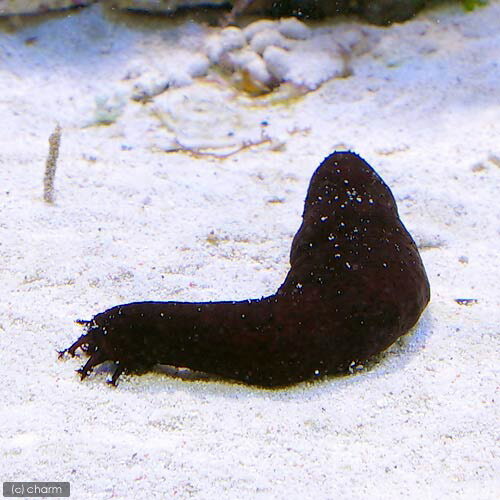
{"x":132,"y":222}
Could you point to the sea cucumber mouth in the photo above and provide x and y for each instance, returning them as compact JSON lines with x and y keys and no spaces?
{"x":87,"y":343}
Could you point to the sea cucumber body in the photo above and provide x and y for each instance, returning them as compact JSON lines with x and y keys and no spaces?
{"x":356,"y":283}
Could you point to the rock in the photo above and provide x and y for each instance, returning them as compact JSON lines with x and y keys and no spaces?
{"x":166,"y":6}
{"x":389,"y":11}
{"x":308,"y":9}
{"x":13,"y":7}
{"x":375,"y":11}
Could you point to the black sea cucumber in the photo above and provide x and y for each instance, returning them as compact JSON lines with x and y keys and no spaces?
{"x":356,"y":283}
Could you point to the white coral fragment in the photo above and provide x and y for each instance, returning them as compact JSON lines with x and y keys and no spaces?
{"x":267,"y":38}
{"x":252,"y":29}
{"x":248,"y":60}
{"x":306,"y":68}
{"x":291,"y":27}
{"x":231,"y":38}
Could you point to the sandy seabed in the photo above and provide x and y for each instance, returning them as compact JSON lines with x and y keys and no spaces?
{"x":133,"y":219}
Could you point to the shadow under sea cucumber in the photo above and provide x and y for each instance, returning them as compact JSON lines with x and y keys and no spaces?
{"x":356,"y":283}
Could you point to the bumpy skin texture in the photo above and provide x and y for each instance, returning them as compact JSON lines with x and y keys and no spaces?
{"x":356,"y":283}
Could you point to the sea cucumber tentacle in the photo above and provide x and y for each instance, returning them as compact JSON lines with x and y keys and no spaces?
{"x":356,"y":283}
{"x":95,"y":359}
